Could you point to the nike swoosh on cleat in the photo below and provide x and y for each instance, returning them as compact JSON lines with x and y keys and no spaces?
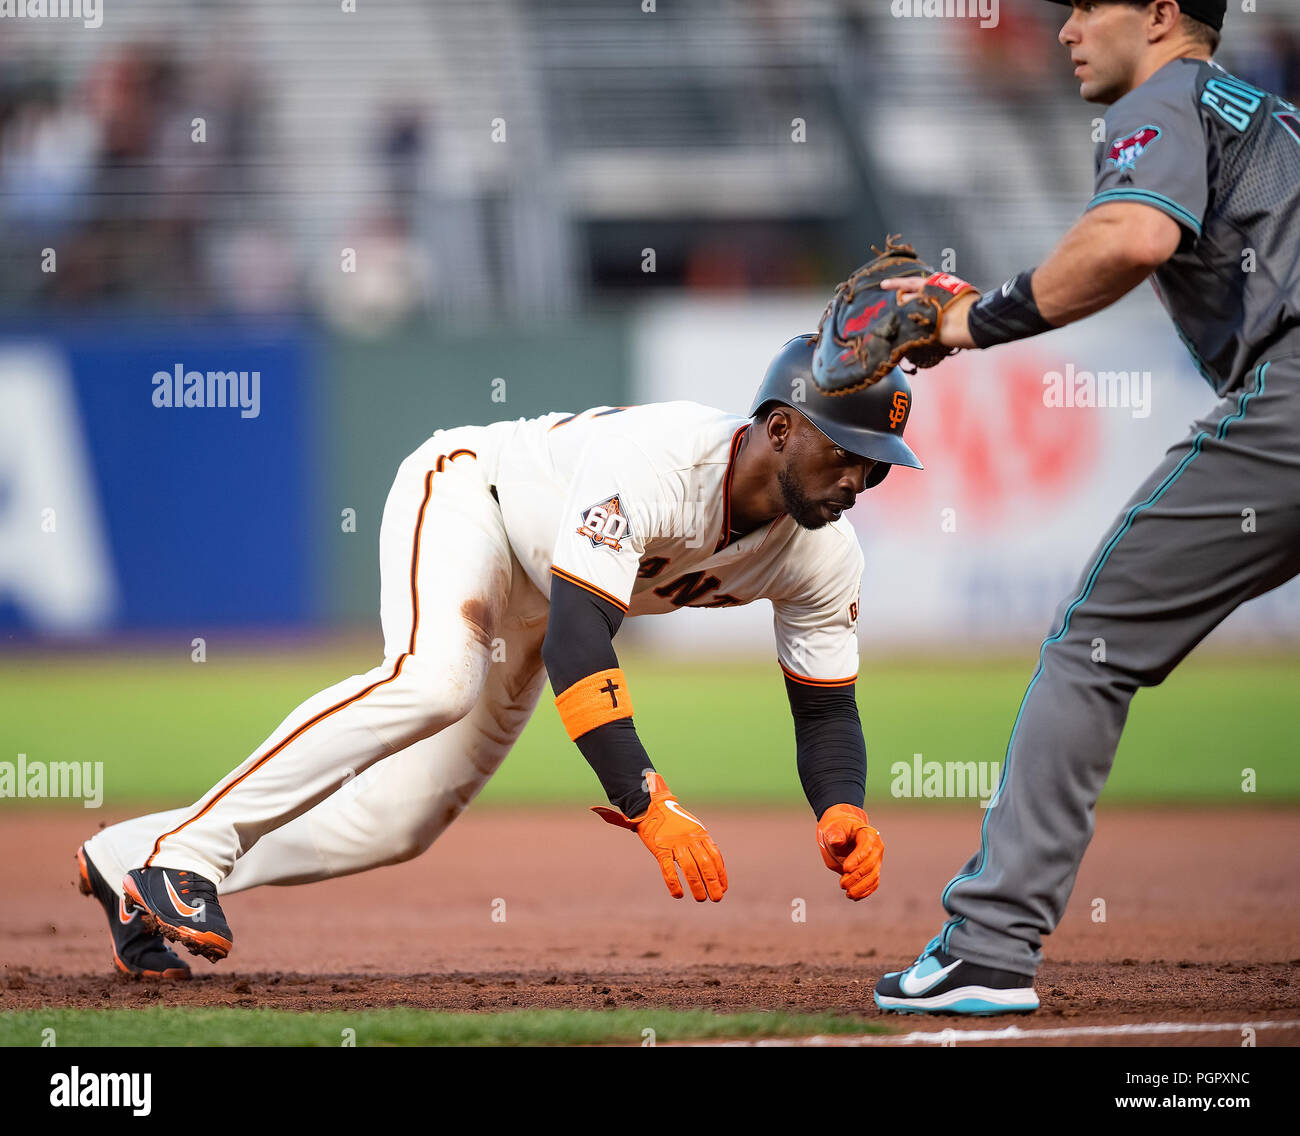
{"x":178,"y":903}
{"x":914,"y":989}
{"x":123,"y":916}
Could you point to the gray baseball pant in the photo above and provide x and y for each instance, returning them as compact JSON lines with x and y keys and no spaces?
{"x":1216,"y":524}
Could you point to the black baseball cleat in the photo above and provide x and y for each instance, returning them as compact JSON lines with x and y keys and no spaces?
{"x":182,"y":907}
{"x":940,"y":983}
{"x":137,"y":952}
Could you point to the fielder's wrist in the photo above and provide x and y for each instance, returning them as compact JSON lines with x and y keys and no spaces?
{"x":1007,"y":313}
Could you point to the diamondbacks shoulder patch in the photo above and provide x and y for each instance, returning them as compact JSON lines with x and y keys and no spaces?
{"x":605,"y":524}
{"x":1124,"y":152}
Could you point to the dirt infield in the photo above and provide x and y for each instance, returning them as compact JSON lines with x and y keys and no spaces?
{"x":1202,"y":924}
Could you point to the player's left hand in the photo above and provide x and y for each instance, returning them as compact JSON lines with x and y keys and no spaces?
{"x":954,"y":327}
{"x":851,"y":847}
{"x":868,"y":329}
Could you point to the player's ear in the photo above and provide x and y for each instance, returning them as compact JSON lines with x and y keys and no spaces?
{"x":779,"y":425}
{"x":1162,"y":20}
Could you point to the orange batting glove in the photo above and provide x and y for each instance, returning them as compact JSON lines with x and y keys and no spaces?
{"x":676,"y":839}
{"x":852,"y":848}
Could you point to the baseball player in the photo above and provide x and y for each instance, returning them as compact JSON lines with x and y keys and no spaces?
{"x":513,"y":552}
{"x":1198,"y":187}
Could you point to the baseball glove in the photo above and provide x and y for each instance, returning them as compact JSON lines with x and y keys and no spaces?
{"x":864,"y":331}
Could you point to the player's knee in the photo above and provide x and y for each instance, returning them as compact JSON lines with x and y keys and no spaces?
{"x":439,"y":693}
{"x":409,"y":832}
{"x":1106,"y":664}
{"x":405,"y":845}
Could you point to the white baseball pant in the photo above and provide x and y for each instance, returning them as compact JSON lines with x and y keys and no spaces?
{"x":372,"y":770}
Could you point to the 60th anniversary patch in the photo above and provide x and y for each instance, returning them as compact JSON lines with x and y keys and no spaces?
{"x":605,"y":523}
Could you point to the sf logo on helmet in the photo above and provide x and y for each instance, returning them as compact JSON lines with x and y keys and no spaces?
{"x":604,"y":524}
{"x":898,"y":411}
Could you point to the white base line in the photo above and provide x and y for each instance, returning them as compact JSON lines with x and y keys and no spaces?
{"x":1011,"y":1033}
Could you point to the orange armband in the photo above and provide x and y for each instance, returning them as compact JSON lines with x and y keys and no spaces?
{"x":592,"y":701}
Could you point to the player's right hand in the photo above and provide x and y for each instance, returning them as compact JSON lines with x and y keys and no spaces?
{"x":676,"y":840}
{"x":851,"y":847}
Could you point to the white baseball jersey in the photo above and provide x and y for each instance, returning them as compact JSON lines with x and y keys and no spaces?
{"x":634,"y":504}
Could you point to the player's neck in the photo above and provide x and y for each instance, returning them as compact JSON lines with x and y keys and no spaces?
{"x":1159,"y":57}
{"x":755,"y":496}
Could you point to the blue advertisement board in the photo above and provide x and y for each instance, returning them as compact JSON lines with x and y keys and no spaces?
{"x":155,"y":476}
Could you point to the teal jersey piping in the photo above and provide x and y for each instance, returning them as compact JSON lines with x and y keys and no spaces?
{"x":1150,"y":197}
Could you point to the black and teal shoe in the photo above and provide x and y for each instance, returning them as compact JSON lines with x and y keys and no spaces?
{"x":940,"y":983}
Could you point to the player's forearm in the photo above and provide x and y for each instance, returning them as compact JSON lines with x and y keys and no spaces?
{"x":620,"y":762}
{"x":831,"y":753}
{"x":1105,"y":255}
{"x":592,"y":695}
{"x":1108,"y":252}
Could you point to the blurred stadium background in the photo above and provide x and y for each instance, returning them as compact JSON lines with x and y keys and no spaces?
{"x":548,"y":204}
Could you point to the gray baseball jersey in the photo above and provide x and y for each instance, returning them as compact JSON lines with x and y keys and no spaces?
{"x":1215,"y":524}
{"x":1222,"y":158}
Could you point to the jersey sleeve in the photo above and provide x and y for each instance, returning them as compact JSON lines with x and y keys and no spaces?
{"x":612,"y":508}
{"x":816,"y":623}
{"x":1154,"y":153}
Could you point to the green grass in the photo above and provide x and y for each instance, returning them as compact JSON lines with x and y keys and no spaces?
{"x":163,"y":1026}
{"x":719,"y":731}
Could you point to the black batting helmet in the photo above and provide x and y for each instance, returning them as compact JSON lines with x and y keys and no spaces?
{"x":868,"y":422}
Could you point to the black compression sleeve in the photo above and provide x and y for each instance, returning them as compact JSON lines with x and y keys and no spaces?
{"x":579,"y":634}
{"x":615,"y":753}
{"x":830,"y":751}
{"x":579,"y":642}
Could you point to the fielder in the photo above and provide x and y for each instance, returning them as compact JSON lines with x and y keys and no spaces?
{"x":513,"y":552}
{"x":1198,"y":182}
